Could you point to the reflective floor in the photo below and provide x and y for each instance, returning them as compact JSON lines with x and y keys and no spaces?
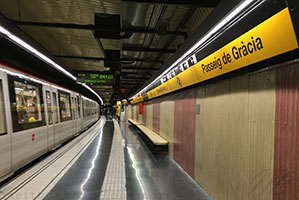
{"x":85,"y":178}
{"x":151,"y":176}
{"x":148,"y":176}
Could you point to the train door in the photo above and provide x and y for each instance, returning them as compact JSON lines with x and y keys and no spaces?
{"x":5,"y":129}
{"x":74,"y":114}
{"x":56,"y":116}
{"x":79,"y":114}
{"x":49,"y":116}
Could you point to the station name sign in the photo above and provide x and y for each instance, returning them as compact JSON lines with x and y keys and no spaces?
{"x":95,"y":78}
{"x":270,"y":38}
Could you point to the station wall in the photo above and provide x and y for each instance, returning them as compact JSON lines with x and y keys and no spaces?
{"x":238,"y":138}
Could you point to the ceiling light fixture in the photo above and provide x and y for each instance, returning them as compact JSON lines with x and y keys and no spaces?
{"x":90,"y":89}
{"x":233,"y":14}
{"x":41,"y":56}
{"x":35,"y":52}
{"x":4,"y":31}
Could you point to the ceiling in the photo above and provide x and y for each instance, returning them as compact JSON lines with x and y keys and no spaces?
{"x":132,"y":40}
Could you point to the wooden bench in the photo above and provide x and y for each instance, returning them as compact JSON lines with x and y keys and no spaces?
{"x":133,"y":122}
{"x":155,"y":142}
{"x":154,"y":137}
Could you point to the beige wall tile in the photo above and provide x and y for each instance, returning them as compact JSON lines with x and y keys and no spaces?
{"x":128,"y":111}
{"x":234,"y":137}
{"x":149,"y":116}
{"x":167,"y":121}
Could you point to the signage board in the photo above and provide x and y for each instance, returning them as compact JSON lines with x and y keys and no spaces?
{"x":96,"y":78}
{"x":270,"y":38}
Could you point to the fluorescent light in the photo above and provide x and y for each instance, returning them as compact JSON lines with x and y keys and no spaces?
{"x":202,"y":40}
{"x":4,"y":31}
{"x":32,"y":50}
{"x":40,"y":55}
{"x":89,"y":88}
{"x":22,"y":76}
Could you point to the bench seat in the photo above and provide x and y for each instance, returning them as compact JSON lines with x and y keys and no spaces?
{"x":154,"y":137}
{"x":133,"y":122}
{"x":154,"y":141}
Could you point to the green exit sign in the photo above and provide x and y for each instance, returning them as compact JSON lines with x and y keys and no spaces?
{"x":80,"y":75}
{"x":98,"y":78}
{"x":101,"y":76}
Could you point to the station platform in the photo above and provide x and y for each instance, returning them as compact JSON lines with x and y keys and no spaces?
{"x":108,"y":161}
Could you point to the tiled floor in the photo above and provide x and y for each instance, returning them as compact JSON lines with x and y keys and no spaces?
{"x":154,"y":176}
{"x":114,"y":186}
{"x":38,"y":180}
{"x":85,"y":178}
{"x":115,"y":165}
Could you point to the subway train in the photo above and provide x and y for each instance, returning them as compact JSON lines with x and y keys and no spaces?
{"x":36,"y":116}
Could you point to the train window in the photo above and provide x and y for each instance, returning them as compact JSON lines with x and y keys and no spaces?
{"x":91,"y":106}
{"x":65,"y":106}
{"x":2,"y":112}
{"x":27,"y":106}
{"x":86,"y":108}
{"x":49,"y":107}
{"x":83,"y":107}
{"x":55,"y":107}
{"x":73,"y":108}
{"x":28,"y":103}
{"x":86,"y":111}
{"x":78,"y":101}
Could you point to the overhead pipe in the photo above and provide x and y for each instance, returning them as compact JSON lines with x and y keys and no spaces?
{"x":198,"y":3}
{"x":144,"y":49}
{"x":157,"y":24}
{"x":189,"y":14}
{"x":104,"y":59}
{"x":128,"y":30}
{"x":140,"y":68}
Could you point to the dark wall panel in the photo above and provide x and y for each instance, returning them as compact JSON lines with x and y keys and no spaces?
{"x":184,"y":130}
{"x":286,"y":160}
